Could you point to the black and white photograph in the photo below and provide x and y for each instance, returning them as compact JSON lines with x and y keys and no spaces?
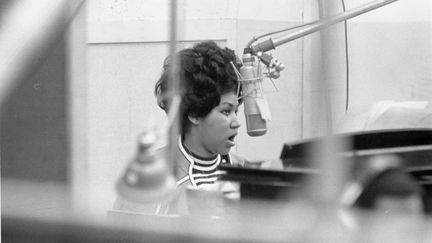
{"x":216,"y":121}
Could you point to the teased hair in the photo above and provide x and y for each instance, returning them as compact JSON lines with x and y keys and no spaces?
{"x":205,"y":73}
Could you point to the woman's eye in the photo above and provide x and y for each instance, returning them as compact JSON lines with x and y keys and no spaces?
{"x":226,"y":112}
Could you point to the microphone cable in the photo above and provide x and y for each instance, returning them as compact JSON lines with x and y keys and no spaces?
{"x":346,"y":57}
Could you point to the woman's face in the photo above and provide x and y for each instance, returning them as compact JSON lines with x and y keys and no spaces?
{"x":216,"y":132}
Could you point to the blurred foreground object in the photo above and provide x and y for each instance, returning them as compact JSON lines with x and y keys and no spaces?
{"x":408,"y":149}
{"x":147,"y":178}
{"x":383,"y":185}
{"x":266,"y":221}
{"x":28,"y":31}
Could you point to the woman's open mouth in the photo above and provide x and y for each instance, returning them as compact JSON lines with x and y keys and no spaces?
{"x":232,"y":139}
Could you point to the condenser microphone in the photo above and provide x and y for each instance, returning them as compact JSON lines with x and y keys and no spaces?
{"x":256,"y":125}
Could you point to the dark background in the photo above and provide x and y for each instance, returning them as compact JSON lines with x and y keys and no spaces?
{"x":33,"y":120}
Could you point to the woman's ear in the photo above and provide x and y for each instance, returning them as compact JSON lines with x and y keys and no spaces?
{"x":194,"y":120}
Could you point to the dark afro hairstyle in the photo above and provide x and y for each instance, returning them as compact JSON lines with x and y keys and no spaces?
{"x":205,"y":73}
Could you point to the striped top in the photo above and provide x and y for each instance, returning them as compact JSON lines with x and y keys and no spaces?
{"x":202,"y":172}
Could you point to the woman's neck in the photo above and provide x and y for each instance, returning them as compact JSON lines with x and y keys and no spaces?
{"x":194,"y":146}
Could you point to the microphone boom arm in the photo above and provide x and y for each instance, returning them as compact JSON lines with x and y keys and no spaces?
{"x":272,"y":43}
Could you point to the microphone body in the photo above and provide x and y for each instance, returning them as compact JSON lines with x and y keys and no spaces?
{"x":256,"y":125}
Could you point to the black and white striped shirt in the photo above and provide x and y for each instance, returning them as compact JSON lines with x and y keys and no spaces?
{"x":201,"y":171}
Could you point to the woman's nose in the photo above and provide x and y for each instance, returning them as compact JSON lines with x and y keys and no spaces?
{"x":235,"y":122}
